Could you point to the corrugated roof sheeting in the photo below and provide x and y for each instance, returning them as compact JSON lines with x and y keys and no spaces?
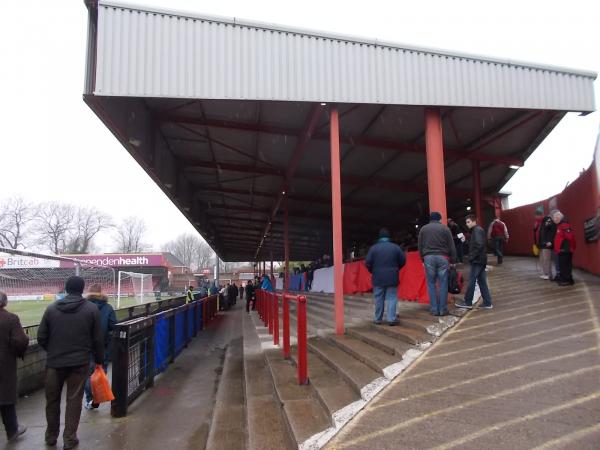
{"x":152,"y":54}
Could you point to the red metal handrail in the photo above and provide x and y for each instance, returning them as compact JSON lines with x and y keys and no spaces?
{"x":268,"y":310}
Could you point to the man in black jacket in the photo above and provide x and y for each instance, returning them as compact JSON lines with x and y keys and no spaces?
{"x":384,"y":261}
{"x":478,"y":260}
{"x":69,"y":332}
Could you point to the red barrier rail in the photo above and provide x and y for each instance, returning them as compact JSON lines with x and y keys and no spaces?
{"x":268,"y":310}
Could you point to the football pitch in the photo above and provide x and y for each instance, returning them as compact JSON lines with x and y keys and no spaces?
{"x":30,"y":311}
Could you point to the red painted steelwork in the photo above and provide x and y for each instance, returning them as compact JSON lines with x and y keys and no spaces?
{"x":336,"y":208}
{"x":477,"y":193}
{"x":435,"y":162}
{"x":275,"y":319}
{"x":303,"y":139}
{"x":302,"y":341}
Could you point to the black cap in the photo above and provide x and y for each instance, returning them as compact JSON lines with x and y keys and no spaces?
{"x":74,"y":285}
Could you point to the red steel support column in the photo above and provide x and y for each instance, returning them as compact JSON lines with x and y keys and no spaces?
{"x":302,"y":344}
{"x":286,"y":326}
{"x":270,"y":311}
{"x":275,"y":319}
{"x":286,"y":245}
{"x":436,"y":181}
{"x":336,"y":209}
{"x":477,"y":193}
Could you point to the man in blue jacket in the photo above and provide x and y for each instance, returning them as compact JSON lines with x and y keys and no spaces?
{"x":384,"y":261}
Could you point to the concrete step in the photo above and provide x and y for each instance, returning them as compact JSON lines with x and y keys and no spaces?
{"x":415,"y":323}
{"x":304,"y":413}
{"x":262,"y":406}
{"x":373,"y":357}
{"x":356,"y":373}
{"x":333,"y":390}
{"x":229,"y":412}
{"x":408,"y":335}
{"x":382,"y":341}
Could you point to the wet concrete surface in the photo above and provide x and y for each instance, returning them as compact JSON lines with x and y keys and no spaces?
{"x":175,"y":414}
{"x":525,"y":375}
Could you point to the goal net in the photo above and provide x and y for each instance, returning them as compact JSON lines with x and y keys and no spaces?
{"x":32,"y":280}
{"x":136,"y":286}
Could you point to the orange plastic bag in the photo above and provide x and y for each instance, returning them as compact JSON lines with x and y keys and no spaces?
{"x":101,"y":390}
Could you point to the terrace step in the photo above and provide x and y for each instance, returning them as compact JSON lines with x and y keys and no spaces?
{"x":382,"y":341}
{"x":408,"y":335}
{"x":262,"y":406}
{"x":303,"y":411}
{"x":374,"y":358}
{"x":356,"y":373}
{"x":225,"y":431}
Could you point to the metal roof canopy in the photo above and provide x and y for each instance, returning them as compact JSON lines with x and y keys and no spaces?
{"x":225,"y":114}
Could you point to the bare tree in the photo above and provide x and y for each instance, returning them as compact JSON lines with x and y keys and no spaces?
{"x":87,"y":223}
{"x":16,"y":216}
{"x":130,"y":235}
{"x":205,"y":256}
{"x":54,"y":222}
{"x":192,"y":250}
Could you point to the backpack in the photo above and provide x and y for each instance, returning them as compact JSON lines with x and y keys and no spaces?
{"x":455,"y":281}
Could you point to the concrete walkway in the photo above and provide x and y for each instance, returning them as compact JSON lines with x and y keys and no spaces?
{"x":175,"y":414}
{"x":525,"y":375}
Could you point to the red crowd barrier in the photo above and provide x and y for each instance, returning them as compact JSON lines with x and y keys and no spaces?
{"x":268,"y":311}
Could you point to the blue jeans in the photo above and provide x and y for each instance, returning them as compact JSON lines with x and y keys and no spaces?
{"x":382,"y":294}
{"x":478,"y":274}
{"x":436,"y":270}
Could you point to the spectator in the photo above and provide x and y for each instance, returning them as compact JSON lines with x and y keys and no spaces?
{"x":13,"y":344}
{"x":231,"y":293}
{"x":384,"y":261}
{"x":458,"y":243}
{"x":241,"y":291}
{"x":266,"y":284}
{"x":547,"y":234}
{"x":537,"y":227}
{"x":214,"y":290}
{"x":498,"y":233}
{"x":69,"y":332}
{"x":437,"y":251}
{"x":564,"y":246}
{"x":250,"y":298}
{"x":478,"y":260}
{"x":189,"y":297}
{"x":108,"y":319}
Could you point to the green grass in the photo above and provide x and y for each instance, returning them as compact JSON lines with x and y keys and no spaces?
{"x":30,"y":311}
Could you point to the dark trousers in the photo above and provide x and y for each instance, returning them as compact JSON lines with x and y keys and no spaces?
{"x":458,"y":244}
{"x":565,"y":262}
{"x":499,"y":248}
{"x":75,"y":378}
{"x":9,"y":419}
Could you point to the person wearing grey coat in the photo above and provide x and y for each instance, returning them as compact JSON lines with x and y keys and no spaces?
{"x":13,"y":344}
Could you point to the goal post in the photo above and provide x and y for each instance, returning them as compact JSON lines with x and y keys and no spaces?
{"x":133,"y":284}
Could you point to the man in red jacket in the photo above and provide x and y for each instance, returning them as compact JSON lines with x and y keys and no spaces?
{"x":498,"y":233}
{"x":564,"y":246}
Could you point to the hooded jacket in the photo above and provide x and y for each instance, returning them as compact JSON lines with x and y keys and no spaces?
{"x":108,"y":318}
{"x":70,"y":331}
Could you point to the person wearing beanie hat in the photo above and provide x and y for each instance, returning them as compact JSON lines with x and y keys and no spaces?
{"x":69,"y":332}
{"x":108,"y":320}
{"x":384,"y":261}
{"x":437,"y":251}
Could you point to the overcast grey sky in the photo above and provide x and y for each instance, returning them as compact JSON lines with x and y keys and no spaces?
{"x":54,"y":148}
